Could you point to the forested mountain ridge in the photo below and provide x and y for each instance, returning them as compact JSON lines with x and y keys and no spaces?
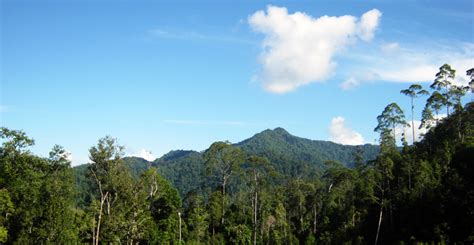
{"x":290,"y":155}
{"x":280,"y":146}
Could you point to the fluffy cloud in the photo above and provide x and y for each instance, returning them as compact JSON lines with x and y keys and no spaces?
{"x":368,"y":23}
{"x":145,"y":154}
{"x":340,"y":133}
{"x":299,"y":49}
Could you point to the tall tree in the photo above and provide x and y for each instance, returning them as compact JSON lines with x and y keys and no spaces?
{"x":414,"y":91}
{"x":443,"y":81}
{"x":258,"y":168}
{"x":197,"y":218}
{"x":114,"y":185}
{"x":222,"y":160}
{"x":57,"y":197}
{"x":391,"y":117}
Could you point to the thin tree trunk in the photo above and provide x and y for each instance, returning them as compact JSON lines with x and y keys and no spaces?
{"x":301,"y":217}
{"x":102,"y":200}
{"x":315,"y":222}
{"x":255,"y":219}
{"x":394,"y":135}
{"x":179,"y":214}
{"x":447,"y":99}
{"x":255,"y":210}
{"x":224,"y":182}
{"x":413,"y":120}
{"x":380,"y":222}
{"x":409,"y":176}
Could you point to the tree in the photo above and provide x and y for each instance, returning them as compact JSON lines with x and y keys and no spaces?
{"x":435,"y":102}
{"x":388,"y":120}
{"x":470,"y":73}
{"x":196,"y":217}
{"x":391,"y":117}
{"x":414,"y":91}
{"x":222,"y":160}
{"x":427,"y":119}
{"x":6,"y":210}
{"x":455,"y":95}
{"x":443,"y":82}
{"x":113,"y":188}
{"x":165,"y":208}
{"x":258,"y":168}
{"x":57,"y":198}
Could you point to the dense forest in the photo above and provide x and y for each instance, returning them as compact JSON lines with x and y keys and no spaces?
{"x":273,"y":188}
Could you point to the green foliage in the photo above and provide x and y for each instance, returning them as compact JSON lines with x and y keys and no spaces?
{"x":391,"y":117}
{"x":37,"y":194}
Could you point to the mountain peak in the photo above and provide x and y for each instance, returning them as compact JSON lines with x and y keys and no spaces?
{"x":280,"y":130}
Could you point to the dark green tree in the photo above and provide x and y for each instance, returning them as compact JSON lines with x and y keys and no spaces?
{"x":222,"y":160}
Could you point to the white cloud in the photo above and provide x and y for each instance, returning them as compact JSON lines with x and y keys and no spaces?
{"x":416,"y":74}
{"x":394,"y":63}
{"x":368,"y":23}
{"x":340,"y":133}
{"x":349,"y":84}
{"x":299,"y":49}
{"x":145,"y":154}
{"x":407,"y":132}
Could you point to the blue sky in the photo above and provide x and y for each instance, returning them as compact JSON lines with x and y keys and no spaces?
{"x":180,"y":75}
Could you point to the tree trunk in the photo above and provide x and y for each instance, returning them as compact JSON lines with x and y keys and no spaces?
{"x":409,"y":176}
{"x":179,"y":214}
{"x":380,"y":222}
{"x":224,"y":182}
{"x":413,"y":120}
{"x":255,"y":219}
{"x":255,"y":210}
{"x":447,"y":99}
{"x":394,"y":135}
{"x":315,"y":222}
{"x":301,"y":217}
{"x":102,"y":200}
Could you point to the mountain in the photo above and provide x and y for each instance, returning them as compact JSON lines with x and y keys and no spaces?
{"x":289,"y":154}
{"x":282,"y":148}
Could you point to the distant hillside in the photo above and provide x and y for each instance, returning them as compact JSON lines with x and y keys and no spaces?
{"x":290,"y":155}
